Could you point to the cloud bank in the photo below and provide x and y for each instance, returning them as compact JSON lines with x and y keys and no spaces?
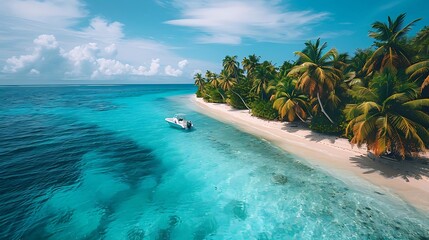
{"x":60,"y":50}
{"x":49,"y":60}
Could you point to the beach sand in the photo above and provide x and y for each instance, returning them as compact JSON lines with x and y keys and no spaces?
{"x":407,"y":181}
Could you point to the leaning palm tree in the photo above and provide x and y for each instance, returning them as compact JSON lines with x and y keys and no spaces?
{"x":199,"y":81}
{"x":316,"y":74}
{"x":289,"y":102}
{"x":227,"y":83}
{"x":392,"y":122}
{"x":391,"y":52}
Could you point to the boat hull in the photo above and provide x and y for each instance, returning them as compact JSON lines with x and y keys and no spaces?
{"x":176,"y":124}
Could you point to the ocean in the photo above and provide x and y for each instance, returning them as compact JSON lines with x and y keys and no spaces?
{"x":100,"y":162}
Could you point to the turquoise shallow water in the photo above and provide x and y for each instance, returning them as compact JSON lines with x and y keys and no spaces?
{"x":100,"y":162}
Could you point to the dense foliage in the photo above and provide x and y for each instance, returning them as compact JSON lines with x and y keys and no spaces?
{"x":377,"y":97}
{"x":264,"y":109}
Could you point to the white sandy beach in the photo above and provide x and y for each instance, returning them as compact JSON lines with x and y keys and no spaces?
{"x":407,"y":180}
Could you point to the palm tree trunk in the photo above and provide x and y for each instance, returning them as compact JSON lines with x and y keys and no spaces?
{"x":300,"y":118}
{"x":296,"y":112}
{"x":323,"y":110}
{"x":223,"y":98}
{"x":241,"y":99}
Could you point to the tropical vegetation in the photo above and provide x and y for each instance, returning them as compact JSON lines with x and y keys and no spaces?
{"x":379,"y":97}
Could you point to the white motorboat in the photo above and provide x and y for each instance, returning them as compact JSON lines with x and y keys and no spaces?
{"x":179,"y":121}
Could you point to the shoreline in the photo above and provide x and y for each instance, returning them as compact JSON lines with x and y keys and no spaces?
{"x":404,"y":180}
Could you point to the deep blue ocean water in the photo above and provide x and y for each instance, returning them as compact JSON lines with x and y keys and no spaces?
{"x":100,"y":162}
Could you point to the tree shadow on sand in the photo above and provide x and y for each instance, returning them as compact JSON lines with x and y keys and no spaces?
{"x":293,"y":127}
{"x":406,"y":169}
{"x":317,"y":137}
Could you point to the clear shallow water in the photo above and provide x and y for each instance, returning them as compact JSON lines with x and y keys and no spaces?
{"x":101,"y":163}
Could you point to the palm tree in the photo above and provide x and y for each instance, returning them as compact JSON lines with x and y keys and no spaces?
{"x":285,"y":69}
{"x":356,"y":75}
{"x":250,"y":64}
{"x":264,"y":73}
{"x":422,"y":41}
{"x":390,"y":122}
{"x":419,"y":71}
{"x":213,"y":79}
{"x":199,"y":81}
{"x":390,"y":52}
{"x":231,"y":66}
{"x":341,"y":61}
{"x":227,"y":82}
{"x":316,"y":74}
{"x":289,"y":102}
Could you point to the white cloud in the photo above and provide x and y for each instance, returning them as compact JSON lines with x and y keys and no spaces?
{"x":83,"y":52}
{"x":81,"y":59}
{"x":45,"y":52}
{"x":222,"y":21}
{"x":47,"y":41}
{"x":111,"y":50}
{"x":111,"y":67}
{"x":154,"y":67}
{"x":170,"y":71}
{"x":14,"y":64}
{"x":182,"y":64}
{"x":34,"y":72}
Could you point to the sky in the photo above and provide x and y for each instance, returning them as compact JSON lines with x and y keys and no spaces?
{"x":168,"y":41}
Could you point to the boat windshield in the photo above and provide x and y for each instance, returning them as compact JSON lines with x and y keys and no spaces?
{"x":180,"y":117}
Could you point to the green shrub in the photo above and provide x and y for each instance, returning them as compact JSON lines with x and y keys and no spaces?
{"x":265,"y":110}
{"x":319,"y":123}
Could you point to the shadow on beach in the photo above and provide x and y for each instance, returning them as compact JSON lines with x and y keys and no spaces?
{"x":389,"y":168}
{"x":405,"y":169}
{"x":317,"y":137}
{"x":293,"y":127}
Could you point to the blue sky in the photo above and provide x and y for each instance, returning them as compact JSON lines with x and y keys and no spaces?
{"x":161,"y":41}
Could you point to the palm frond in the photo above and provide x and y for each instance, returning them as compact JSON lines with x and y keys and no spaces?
{"x":304,"y":57}
{"x":406,"y":29}
{"x":418,"y":104}
{"x":418,"y":116}
{"x":363,"y":93}
{"x":363,"y":129}
{"x":329,"y":54}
